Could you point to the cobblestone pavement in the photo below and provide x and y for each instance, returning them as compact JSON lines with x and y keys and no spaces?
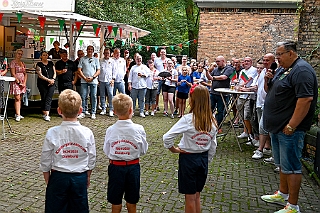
{"x":235,"y":181}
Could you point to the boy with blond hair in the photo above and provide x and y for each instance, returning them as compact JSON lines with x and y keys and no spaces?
{"x":67,"y":159}
{"x":124,"y":143}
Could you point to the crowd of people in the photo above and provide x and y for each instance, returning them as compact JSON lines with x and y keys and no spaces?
{"x":276,"y":114}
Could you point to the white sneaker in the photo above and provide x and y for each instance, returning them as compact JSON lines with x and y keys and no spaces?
{"x":18,"y":118}
{"x":21,"y":117}
{"x":82,"y":115}
{"x":103,"y":112}
{"x":255,"y":142}
{"x":87,"y":112}
{"x":111,"y":113}
{"x":46,"y":118}
{"x":243,"y":135}
{"x":172,"y":116}
{"x":257,"y":155}
{"x":142,"y":115}
{"x":267,"y":151}
{"x":269,"y":160}
{"x":146,"y":113}
{"x":277,"y":169}
{"x":93,"y":116}
{"x":152,"y":113}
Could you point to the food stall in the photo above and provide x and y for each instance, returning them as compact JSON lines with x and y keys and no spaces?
{"x":33,"y":27}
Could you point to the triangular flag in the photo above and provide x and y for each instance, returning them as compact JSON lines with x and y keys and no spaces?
{"x":172,"y":47}
{"x":41,"y":39}
{"x":120,"y":31}
{"x":78,"y":25}
{"x":98,"y":31}
{"x":136,"y":35}
{"x":156,"y":48}
{"x":131,"y":35}
{"x":94,"y":27}
{"x":180,"y":45}
{"x":61,"y":23}
{"x":80,"y":42}
{"x":148,"y":48}
{"x":139,"y":47}
{"x":115,"y":31}
{"x":19,"y":16}
{"x":42,"y":21}
{"x":51,"y":40}
{"x":115,"y":39}
{"x":112,"y":41}
{"x":194,"y":41}
{"x":110,"y":29}
{"x":244,"y":77}
{"x":1,"y":15}
{"x":233,"y":76}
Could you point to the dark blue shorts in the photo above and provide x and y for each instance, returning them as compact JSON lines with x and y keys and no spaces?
{"x":193,"y":172}
{"x":123,"y":180}
{"x":67,"y":193}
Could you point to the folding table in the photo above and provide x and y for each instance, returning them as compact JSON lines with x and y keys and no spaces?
{"x":228,"y":108}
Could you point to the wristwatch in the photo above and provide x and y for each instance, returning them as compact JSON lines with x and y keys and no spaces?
{"x":290,"y":129}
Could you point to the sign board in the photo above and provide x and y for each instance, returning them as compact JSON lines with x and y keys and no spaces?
{"x":38,"y":5}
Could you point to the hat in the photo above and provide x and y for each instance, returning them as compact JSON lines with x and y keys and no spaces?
{"x":63,"y":51}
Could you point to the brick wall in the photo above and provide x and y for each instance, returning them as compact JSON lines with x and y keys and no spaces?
{"x":309,"y":33}
{"x":244,"y":32}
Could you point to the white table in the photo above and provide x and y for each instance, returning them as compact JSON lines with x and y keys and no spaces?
{"x":4,"y":115}
{"x":228,"y":108}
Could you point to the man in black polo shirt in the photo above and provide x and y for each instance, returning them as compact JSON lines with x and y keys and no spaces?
{"x":288,"y":110}
{"x":220,"y":79}
{"x":65,"y":69}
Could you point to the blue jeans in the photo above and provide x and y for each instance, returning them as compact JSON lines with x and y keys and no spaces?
{"x":119,"y":86}
{"x":93,"y":96}
{"x":217,"y":102}
{"x":140,"y":94}
{"x":287,"y":151}
{"x":103,"y":87}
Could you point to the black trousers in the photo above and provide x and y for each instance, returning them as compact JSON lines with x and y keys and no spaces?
{"x":46,"y":93}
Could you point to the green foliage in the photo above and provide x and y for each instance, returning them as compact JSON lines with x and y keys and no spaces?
{"x":170,"y":21}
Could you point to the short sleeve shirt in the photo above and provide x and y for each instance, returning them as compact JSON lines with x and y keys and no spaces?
{"x":299,"y":81}
{"x":89,"y":66}
{"x":227,"y":71}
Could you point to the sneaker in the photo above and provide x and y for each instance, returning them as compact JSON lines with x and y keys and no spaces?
{"x":87,"y":112}
{"x":257,"y":155}
{"x":46,"y":118}
{"x":277,"y":169}
{"x":18,"y":118}
{"x":82,"y":115}
{"x":275,"y":198}
{"x":93,"y":116}
{"x":99,"y":107}
{"x":146,"y":113}
{"x":158,"y":109}
{"x":243,"y":135}
{"x":21,"y":117}
{"x":142,"y":115}
{"x":267,"y":151}
{"x":288,"y":209}
{"x":255,"y":142}
{"x":111,"y":113}
{"x":269,"y":160}
{"x":165,"y":114}
{"x":152,"y":113}
{"x":172,"y":116}
{"x":103,"y":112}
{"x":175,"y":112}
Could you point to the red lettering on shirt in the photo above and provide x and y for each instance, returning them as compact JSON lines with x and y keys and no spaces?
{"x":70,"y":144}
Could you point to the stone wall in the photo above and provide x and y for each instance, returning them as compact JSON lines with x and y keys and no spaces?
{"x":244,"y":32}
{"x":309,"y":33}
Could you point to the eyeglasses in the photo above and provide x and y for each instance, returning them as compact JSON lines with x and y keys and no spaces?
{"x":217,"y":61}
{"x":247,"y":61}
{"x":280,"y":54}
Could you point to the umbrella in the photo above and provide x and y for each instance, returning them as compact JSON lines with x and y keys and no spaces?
{"x":165,"y":74}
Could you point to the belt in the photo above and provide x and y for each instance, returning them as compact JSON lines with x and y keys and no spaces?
{"x":123,"y":162}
